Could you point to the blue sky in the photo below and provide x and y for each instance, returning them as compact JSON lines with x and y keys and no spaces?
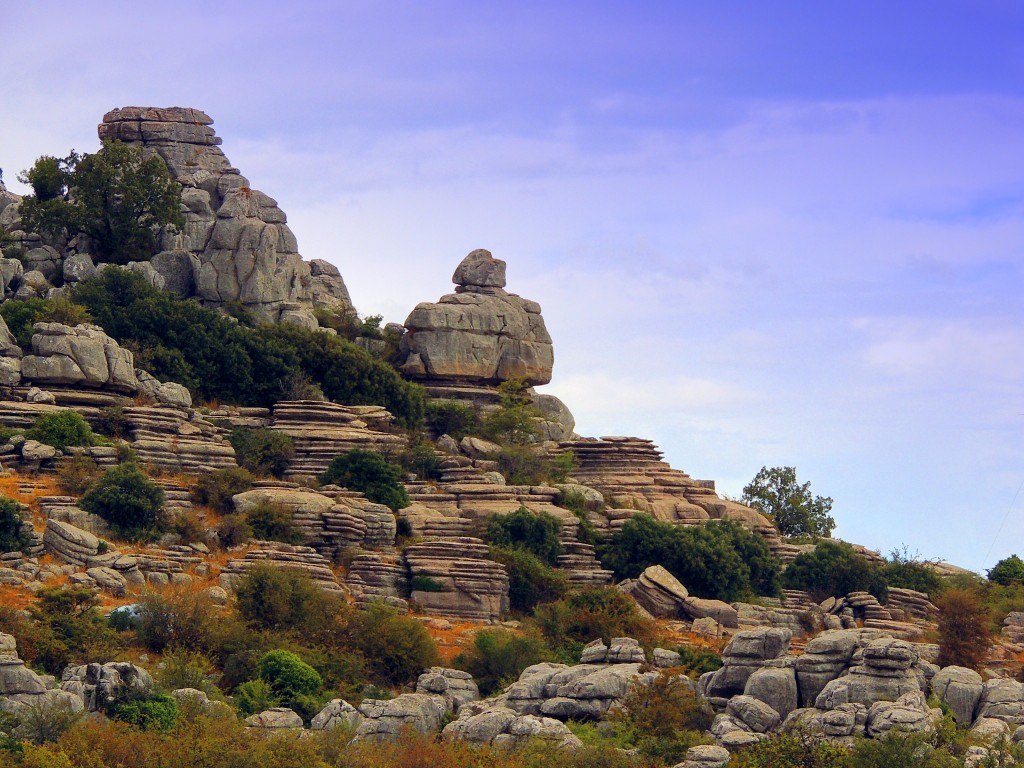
{"x":761,"y":233}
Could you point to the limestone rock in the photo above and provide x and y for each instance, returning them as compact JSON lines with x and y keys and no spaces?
{"x":384,"y":719}
{"x":453,"y":685}
{"x":1002,"y":700}
{"x":754,"y":713}
{"x":659,"y":592}
{"x":273,"y":719}
{"x":338,"y":713}
{"x":83,"y":355}
{"x":909,"y":713}
{"x":960,"y":688}
{"x":776,"y":687}
{"x":705,"y":756}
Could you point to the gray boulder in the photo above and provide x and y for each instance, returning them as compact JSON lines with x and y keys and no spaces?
{"x":705,"y":756}
{"x":453,"y":685}
{"x":960,"y":689}
{"x":386,"y":719}
{"x":753,"y":713}
{"x":909,"y":714}
{"x":274,"y":719}
{"x":776,"y":687}
{"x":337,"y":714}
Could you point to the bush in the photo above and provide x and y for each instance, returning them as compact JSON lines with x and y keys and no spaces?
{"x":156,"y":711}
{"x":397,"y":648}
{"x":263,"y":451}
{"x":531,"y":581}
{"x":906,"y":571}
{"x":695,"y":661}
{"x":45,"y":720}
{"x":178,"y":620}
{"x":255,"y":696}
{"x":718,"y":560}
{"x":421,"y":459}
{"x":795,"y":749}
{"x":589,"y":614}
{"x":21,"y":314}
{"x":77,"y":474}
{"x":907,"y":750}
{"x":1007,"y":571}
{"x":129,"y":501}
{"x":288,"y":675}
{"x":278,"y":599}
{"x":663,"y":719}
{"x":834,"y":568}
{"x":498,"y":657}
{"x":370,"y":473}
{"x":421,"y":583}
{"x":112,"y":422}
{"x":233,"y":531}
{"x":186,"y":669}
{"x":515,"y":420}
{"x":522,"y":529}
{"x":273,"y":522}
{"x":964,"y":635}
{"x":12,"y":534}
{"x":450,"y":417}
{"x":65,"y":626}
{"x":215,"y":489}
{"x":61,"y":429}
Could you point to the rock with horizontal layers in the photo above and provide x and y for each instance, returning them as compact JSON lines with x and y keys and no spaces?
{"x":83,"y":355}
{"x":659,"y":592}
{"x":480,"y":333}
{"x":386,"y":719}
{"x":338,"y":713}
{"x":453,"y":685}
{"x":775,"y":686}
{"x":705,"y":756}
{"x":747,"y":652}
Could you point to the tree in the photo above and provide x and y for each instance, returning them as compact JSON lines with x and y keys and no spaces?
{"x":776,"y":493}
{"x":834,"y":568}
{"x":371,"y":474}
{"x":128,"y":500}
{"x":522,"y":529}
{"x":963,"y":629}
{"x":12,"y":533}
{"x":1007,"y":571}
{"x":115,"y":196}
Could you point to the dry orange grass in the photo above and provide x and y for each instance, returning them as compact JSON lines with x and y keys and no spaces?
{"x":454,"y":640}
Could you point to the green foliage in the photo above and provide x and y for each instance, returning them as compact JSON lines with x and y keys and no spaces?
{"x":719,"y":560}
{"x":77,"y":474}
{"x":695,"y":661}
{"x":795,"y":511}
{"x":156,"y":711}
{"x":397,"y":648}
{"x":215,"y":489}
{"x":273,"y":522}
{"x":279,"y":599}
{"x":577,"y":503}
{"x":263,"y":451}
{"x":112,"y":422}
{"x":175,"y":620}
{"x":288,"y":675}
{"x":522,"y":529}
{"x":964,"y":634}
{"x":591,"y":613}
{"x":370,"y":473}
{"x":129,"y":501}
{"x":116,"y":197}
{"x":794,"y":749}
{"x":906,"y":571}
{"x":514,"y":421}
{"x":421,"y":583}
{"x":46,"y":720}
{"x":450,"y":417}
{"x":531,"y":581}
{"x":61,"y":429}
{"x":1007,"y":571}
{"x":12,"y":537}
{"x":498,"y":657}
{"x":421,"y":459}
{"x":20,"y":316}
{"x":902,"y":749}
{"x":663,"y":719}
{"x":833,"y":568}
{"x":255,"y":696}
{"x":180,"y":668}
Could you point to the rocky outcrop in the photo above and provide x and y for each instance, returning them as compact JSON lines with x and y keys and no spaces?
{"x":885,"y":673}
{"x":300,"y":559}
{"x":82,"y":355}
{"x":98,"y":685}
{"x":387,"y":719}
{"x":747,"y":652}
{"x":504,"y":727}
{"x":236,"y":245}
{"x":462,"y":581}
{"x":456,"y":687}
{"x":480,"y":333}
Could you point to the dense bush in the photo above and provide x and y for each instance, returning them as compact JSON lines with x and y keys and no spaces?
{"x":158,"y":711}
{"x":263,"y":451}
{"x":589,"y":614}
{"x":180,"y":668}
{"x":129,"y":501}
{"x":1007,"y":571}
{"x":719,"y":560}
{"x":795,"y":749}
{"x":536,"y":533}
{"x":397,"y":648}
{"x":695,"y":661}
{"x":526,"y":465}
{"x":20,"y":315}
{"x":279,"y":599}
{"x":370,"y":473}
{"x":420,"y":458}
{"x":834,"y":568}
{"x":77,"y":474}
{"x":450,"y":417}
{"x":273,"y":522}
{"x":12,"y":537}
{"x":288,"y":675}
{"x":499,"y":656}
{"x":216,"y":488}
{"x":514,"y":421}
{"x":175,"y":620}
{"x":531,"y":581}
{"x":663,"y":719}
{"x":255,"y":696}
{"x":964,"y":634}
{"x":61,"y":429}
{"x":906,"y":571}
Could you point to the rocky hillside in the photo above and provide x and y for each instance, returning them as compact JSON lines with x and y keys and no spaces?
{"x":296,"y":556}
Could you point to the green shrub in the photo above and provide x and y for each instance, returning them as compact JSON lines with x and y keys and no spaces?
{"x":61,"y":429}
{"x":695,"y":661}
{"x":112,"y":422}
{"x":155,"y":711}
{"x":589,"y":614}
{"x":255,"y":696}
{"x":795,"y":749}
{"x":421,"y":583}
{"x":21,"y":314}
{"x":522,"y":529}
{"x":527,"y":465}
{"x":288,"y":675}
{"x":77,"y":474}
{"x":906,"y":571}
{"x":180,"y":668}
{"x":397,"y":648}
{"x":278,"y":599}
{"x":371,"y":474}
{"x":663,"y":719}
{"x":834,"y":568}
{"x":215,"y":489}
{"x":263,"y":451}
{"x":1007,"y":571}
{"x":233,"y":531}
{"x":718,"y":560}
{"x":12,"y":535}
{"x":65,"y":626}
{"x":907,"y":750}
{"x":421,"y":459}
{"x":452,"y":418}
{"x":531,"y":581}
{"x":129,"y":501}
{"x":177,"y":620}
{"x":515,"y":420}
{"x":45,"y":721}
{"x":498,"y":657}
{"x":273,"y":522}
{"x":778,"y":495}
{"x":577,"y":503}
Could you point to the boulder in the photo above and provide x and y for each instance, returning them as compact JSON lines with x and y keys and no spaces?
{"x":453,"y":685}
{"x":337,"y":714}
{"x":1002,"y":699}
{"x":746,"y":652}
{"x":386,"y":719}
{"x":960,"y":689}
{"x":659,"y":592}
{"x":776,"y":687}
{"x":83,"y":356}
{"x":909,"y":714}
{"x":274,"y":719}
{"x":705,"y":756}
{"x":753,"y":713}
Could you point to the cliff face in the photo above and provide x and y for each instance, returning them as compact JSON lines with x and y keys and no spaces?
{"x":236,"y":245}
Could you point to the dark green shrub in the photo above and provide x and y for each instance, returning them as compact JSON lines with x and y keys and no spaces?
{"x":263,"y":451}
{"x":527,"y":465}
{"x":278,"y":599}
{"x":515,"y":420}
{"x":155,"y":711}
{"x":695,"y":661}
{"x":215,"y":489}
{"x":591,"y":613}
{"x":288,"y":675}
{"x":129,"y":501}
{"x":61,"y":429}
{"x":176,"y":619}
{"x":498,"y":657}
{"x":522,"y":529}
{"x":421,"y":583}
{"x":906,"y":571}
{"x":233,"y":531}
{"x":421,"y":459}
{"x":21,"y":314}
{"x":1007,"y":571}
{"x":12,"y":535}
{"x":65,"y":626}
{"x":450,"y":417}
{"x":180,"y":668}
{"x":577,"y":503}
{"x":907,"y":750}
{"x":273,"y":522}
{"x":530,"y":580}
{"x":112,"y":422}
{"x":255,"y":696}
{"x":834,"y":568}
{"x":795,"y":749}
{"x":718,"y":560}
{"x":778,"y":495}
{"x":371,"y":474}
{"x":397,"y":648}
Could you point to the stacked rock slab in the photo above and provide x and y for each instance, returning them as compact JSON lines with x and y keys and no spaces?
{"x":236,"y":245}
{"x":464,"y":583}
{"x":177,"y":440}
{"x":304,"y":560}
{"x":480,"y":334}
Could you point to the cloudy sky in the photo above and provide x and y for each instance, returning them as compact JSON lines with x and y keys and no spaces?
{"x":761,"y":233}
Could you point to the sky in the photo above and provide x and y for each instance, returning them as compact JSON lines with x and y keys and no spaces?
{"x":762,"y":234}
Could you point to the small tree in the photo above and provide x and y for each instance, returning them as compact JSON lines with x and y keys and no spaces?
{"x":964,"y":635}
{"x":370,"y":473}
{"x":795,"y":511}
{"x":288,"y":675}
{"x":263,"y":451}
{"x":12,"y":535}
{"x":834,"y":568}
{"x":498,"y":657}
{"x":128,"y":500}
{"x":61,"y":429}
{"x":522,"y":529}
{"x":1007,"y":571}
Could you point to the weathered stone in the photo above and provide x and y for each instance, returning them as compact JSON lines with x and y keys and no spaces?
{"x":705,"y":756}
{"x":453,"y":685}
{"x":960,"y":688}
{"x":659,"y":592}
{"x":754,"y":713}
{"x":385,"y":719}
{"x":273,"y":719}
{"x":909,"y":714}
{"x":337,"y":714}
{"x":1002,"y":699}
{"x":776,"y":687}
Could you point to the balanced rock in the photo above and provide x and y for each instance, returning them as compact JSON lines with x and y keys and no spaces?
{"x":480,"y":333}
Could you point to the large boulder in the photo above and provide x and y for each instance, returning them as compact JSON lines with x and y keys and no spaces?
{"x":82,"y":355}
{"x":480,"y":333}
{"x":960,"y":689}
{"x":747,"y":652}
{"x":386,"y":719}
